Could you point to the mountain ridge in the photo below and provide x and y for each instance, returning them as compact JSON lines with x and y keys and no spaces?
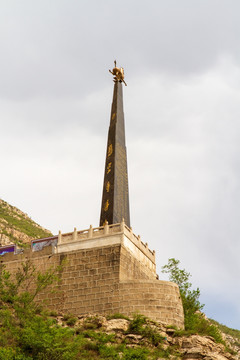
{"x":16,"y":227}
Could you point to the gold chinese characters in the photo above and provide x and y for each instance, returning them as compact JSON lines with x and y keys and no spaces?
{"x":108,"y":186}
{"x":106,"y":206}
{"x":110,"y":150}
{"x":109,"y":167}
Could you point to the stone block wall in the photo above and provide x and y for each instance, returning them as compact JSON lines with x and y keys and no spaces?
{"x":106,"y":280}
{"x":132,"y":268}
{"x":156,"y":299}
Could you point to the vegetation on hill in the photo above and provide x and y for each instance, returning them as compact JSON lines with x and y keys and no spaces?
{"x":17,"y":227}
{"x":228,"y":331}
{"x":29,"y":333}
{"x":194,"y":320}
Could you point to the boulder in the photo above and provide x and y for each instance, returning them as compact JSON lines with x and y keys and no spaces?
{"x":116,"y":325}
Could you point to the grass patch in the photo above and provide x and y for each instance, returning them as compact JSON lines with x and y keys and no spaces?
{"x":140,"y":326}
{"x":19,"y":221}
{"x":69,"y":319}
{"x":53,"y":313}
{"x":201,"y":326}
{"x":226,"y":330}
{"x":118,"y":316}
{"x":92,"y":322}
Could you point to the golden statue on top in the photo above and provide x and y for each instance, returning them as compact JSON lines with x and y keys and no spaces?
{"x":118,"y":73}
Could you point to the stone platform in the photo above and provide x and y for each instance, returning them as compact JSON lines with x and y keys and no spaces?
{"x":106,"y":270}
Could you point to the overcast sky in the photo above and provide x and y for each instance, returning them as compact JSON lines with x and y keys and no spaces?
{"x":182,"y":114}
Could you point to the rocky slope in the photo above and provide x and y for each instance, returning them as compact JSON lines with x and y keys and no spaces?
{"x":151,"y":340}
{"x":17,"y":227}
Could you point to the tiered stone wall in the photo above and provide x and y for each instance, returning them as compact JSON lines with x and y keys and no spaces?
{"x":132,"y":268}
{"x":106,"y":279}
{"x":157,"y":299}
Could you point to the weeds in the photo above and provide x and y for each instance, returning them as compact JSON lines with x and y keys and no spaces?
{"x":118,"y":316}
{"x":92,"y":322}
{"x":139,"y":325}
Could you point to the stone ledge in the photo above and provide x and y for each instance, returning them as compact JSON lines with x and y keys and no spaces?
{"x":86,"y":238}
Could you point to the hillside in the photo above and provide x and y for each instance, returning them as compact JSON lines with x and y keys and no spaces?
{"x":28,"y":332}
{"x":17,"y":227}
{"x":49,"y":335}
{"x":120,"y":337}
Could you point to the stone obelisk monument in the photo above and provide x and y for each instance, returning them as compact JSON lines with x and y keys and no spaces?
{"x":108,"y":269}
{"x":115,"y":198}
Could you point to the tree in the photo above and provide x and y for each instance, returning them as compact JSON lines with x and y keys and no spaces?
{"x":190,"y":298}
{"x":25,"y":332}
{"x":19,"y":291}
{"x":194,"y":320}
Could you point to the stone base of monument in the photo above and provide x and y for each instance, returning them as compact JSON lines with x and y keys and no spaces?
{"x":106,"y":270}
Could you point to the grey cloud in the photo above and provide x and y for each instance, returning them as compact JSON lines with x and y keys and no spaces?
{"x":61,"y":49}
{"x":182,"y":119}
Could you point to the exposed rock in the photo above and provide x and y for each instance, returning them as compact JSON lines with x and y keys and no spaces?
{"x":134,"y":338}
{"x":232,"y":343}
{"x":183,"y":347}
{"x":201,"y":347}
{"x":117,"y":325}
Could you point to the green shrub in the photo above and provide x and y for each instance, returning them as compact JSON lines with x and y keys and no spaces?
{"x":100,"y":337}
{"x":226,"y":330}
{"x":160,"y":353}
{"x":108,"y":352}
{"x":135,"y":354}
{"x":92,"y":346}
{"x":66,"y":317}
{"x":140,"y":326}
{"x":200,"y":325}
{"x":194,"y":321}
{"x":92,"y":322}
{"x":152,"y":335}
{"x":12,"y":354}
{"x":190,"y":298}
{"x":136,"y":324}
{"x":71,"y":321}
{"x":117,"y":316}
{"x":53,"y":313}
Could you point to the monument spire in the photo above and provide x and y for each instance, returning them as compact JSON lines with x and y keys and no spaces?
{"x":115,"y":198}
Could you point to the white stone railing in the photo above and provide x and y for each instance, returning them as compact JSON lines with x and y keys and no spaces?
{"x":137,"y":241}
{"x":106,"y":230}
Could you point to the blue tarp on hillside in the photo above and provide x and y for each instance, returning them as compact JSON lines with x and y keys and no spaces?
{"x":7,"y":249}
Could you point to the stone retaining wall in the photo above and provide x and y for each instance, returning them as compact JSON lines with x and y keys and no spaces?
{"x":104,"y":280}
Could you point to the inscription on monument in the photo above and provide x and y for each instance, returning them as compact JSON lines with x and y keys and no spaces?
{"x":109,"y":167}
{"x":106,"y":205}
{"x":108,"y":186}
{"x":122,"y":203}
{"x":110,"y":150}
